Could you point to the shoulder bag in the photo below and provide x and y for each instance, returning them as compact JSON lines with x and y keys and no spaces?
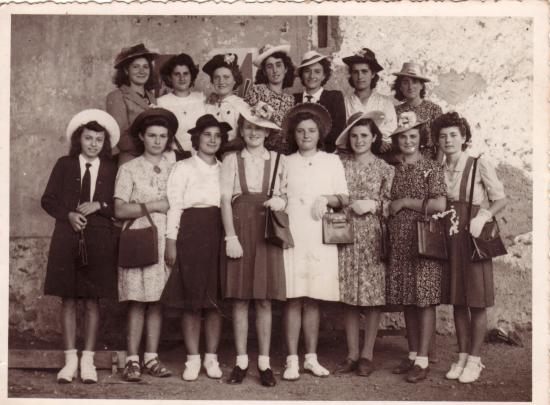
{"x":277,"y":229}
{"x":138,"y":247}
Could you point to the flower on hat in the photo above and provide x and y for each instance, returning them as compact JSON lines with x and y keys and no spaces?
{"x":407,"y":118}
{"x":229,"y":58}
{"x":265,"y":48}
{"x":361,"y":52}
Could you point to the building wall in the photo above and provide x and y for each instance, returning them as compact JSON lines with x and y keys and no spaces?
{"x":63,"y":64}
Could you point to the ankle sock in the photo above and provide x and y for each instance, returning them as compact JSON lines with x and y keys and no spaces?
{"x":87,"y":356}
{"x":474,"y":359}
{"x":209,"y":357}
{"x":148,"y":356}
{"x":421,"y":361}
{"x":412,"y":356}
{"x":462,"y":359}
{"x":133,"y":357}
{"x":242,"y":361}
{"x":194,"y":358}
{"x":263,"y":362}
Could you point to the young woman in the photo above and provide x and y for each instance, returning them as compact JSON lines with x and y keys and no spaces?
{"x":143,"y":181}
{"x":253,"y":269}
{"x":413,"y":281}
{"x":314,"y":72}
{"x":470,"y":284}
{"x":134,"y":81}
{"x":179,"y":74}
{"x":362,"y":274}
{"x":275,"y":73}
{"x":314,"y":181}
{"x":82,"y":257}
{"x":193,"y":234}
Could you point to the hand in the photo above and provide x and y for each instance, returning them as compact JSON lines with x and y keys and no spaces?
{"x":275,"y":203}
{"x":397,"y":205}
{"x":361,"y":207}
{"x":233,"y":248}
{"x":160,"y":206}
{"x":170,"y":252}
{"x":88,"y":208}
{"x":385,"y":147}
{"x":319,"y":207}
{"x":476,"y":224}
{"x":77,"y":221}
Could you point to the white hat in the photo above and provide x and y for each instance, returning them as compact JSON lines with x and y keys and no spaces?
{"x":311,"y":57}
{"x":405,"y":121}
{"x":414,"y":70}
{"x":101,"y":117}
{"x":248,"y":114}
{"x":376,"y":116}
{"x":267,"y":50}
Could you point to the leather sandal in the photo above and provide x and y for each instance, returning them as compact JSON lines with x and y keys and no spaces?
{"x":132,"y":371}
{"x":155,"y":368}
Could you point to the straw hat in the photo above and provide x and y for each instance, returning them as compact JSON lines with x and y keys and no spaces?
{"x":376,"y":116}
{"x":103,"y":118}
{"x":407,"y":120}
{"x":248,"y":114}
{"x":311,"y":57}
{"x":267,"y":50}
{"x":411,"y":69}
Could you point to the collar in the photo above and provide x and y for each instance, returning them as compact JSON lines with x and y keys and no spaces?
{"x":315,"y":96}
{"x":82,"y":160}
{"x":460,"y":165}
{"x":203,"y":164}
{"x":247,"y":155}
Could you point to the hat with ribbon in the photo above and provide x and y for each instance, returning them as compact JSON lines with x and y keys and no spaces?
{"x":267,"y":50}
{"x":376,"y":116}
{"x":248,"y":114}
{"x":313,"y":108}
{"x":103,"y":118}
{"x":407,"y":120}
{"x":311,"y":57}
{"x":364,"y":55}
{"x":170,"y":118}
{"x":411,"y":69}
{"x":206,"y":121}
{"x":133,"y":52}
{"x":226,"y":60}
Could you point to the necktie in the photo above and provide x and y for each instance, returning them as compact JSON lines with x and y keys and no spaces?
{"x":86,"y":185}
{"x":309,"y":98}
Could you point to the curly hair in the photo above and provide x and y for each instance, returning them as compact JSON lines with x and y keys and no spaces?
{"x":178,"y":60}
{"x":396,"y":86}
{"x":195,"y":138}
{"x":375,"y":147}
{"x":153,"y":120}
{"x":237,"y":75}
{"x":293,"y":123}
{"x":76,"y":146}
{"x":375,"y":76}
{"x":327,"y":70}
{"x":452,"y":119}
{"x":122,"y":78}
{"x":424,"y":133}
{"x":288,"y":81}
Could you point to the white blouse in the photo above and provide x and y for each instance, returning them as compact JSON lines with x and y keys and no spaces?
{"x":192,"y":183}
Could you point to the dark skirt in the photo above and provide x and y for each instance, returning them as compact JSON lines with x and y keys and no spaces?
{"x":464,"y":282}
{"x":260,"y":273}
{"x":194,"y":280}
{"x":64,"y":278}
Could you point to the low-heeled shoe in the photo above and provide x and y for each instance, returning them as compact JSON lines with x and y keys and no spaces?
{"x":237,"y":375}
{"x":267,"y":378}
{"x":349,"y":366}
{"x":404,"y":367}
{"x":364,"y":367}
{"x":417,"y":374}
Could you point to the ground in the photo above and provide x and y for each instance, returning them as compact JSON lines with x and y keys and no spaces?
{"x":497,"y":382}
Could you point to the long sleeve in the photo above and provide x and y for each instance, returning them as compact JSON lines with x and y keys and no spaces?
{"x":106,"y":197}
{"x":117,"y":108}
{"x":175,"y":192}
{"x":493,"y":186}
{"x":390,"y":121}
{"x":52,"y":198}
{"x":338,"y":114}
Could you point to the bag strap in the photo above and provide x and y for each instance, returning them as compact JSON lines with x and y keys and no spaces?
{"x":472,"y":192}
{"x":178,"y":145}
{"x":145,"y":213}
{"x":464,"y":180}
{"x":270,"y":194}
{"x":240,"y":172}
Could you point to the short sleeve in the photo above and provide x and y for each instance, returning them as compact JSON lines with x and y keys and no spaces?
{"x":436,"y":181}
{"x":124,"y":184}
{"x":493,"y":186}
{"x":339,"y":183}
{"x":228,"y":175}
{"x":252,"y":96}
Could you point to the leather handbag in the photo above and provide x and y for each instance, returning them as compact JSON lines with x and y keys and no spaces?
{"x":337,"y":228}
{"x":384,"y":236}
{"x":138,"y":247}
{"x":82,"y":259}
{"x":277,"y":229}
{"x":488,"y":244}
{"x":432,"y":240}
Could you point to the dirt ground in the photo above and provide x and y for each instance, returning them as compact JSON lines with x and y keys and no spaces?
{"x":497,"y":382}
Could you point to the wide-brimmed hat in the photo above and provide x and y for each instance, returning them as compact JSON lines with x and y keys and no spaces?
{"x":311,"y":57}
{"x":133,"y":52}
{"x":170,"y":118}
{"x":267,"y":50}
{"x":248,"y":114}
{"x":407,"y":120}
{"x":103,"y":118}
{"x":411,"y":69}
{"x":208,"y":120}
{"x":227,"y":60}
{"x":376,"y":116}
{"x":313,"y":108}
{"x":364,"y":55}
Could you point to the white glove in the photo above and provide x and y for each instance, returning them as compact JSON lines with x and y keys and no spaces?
{"x":476,"y":224}
{"x":275,"y":203}
{"x":361,"y":207}
{"x":233,"y":248}
{"x":319,"y":207}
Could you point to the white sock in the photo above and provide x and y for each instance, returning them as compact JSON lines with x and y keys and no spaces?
{"x":194,"y":358}
{"x":210,"y":357}
{"x":412,"y":355}
{"x":462,"y":358}
{"x":133,"y":357}
{"x":311,"y":356}
{"x":263,"y":362}
{"x":421,"y":361}
{"x":474,"y":359}
{"x":87,"y":356}
{"x":242,"y":361}
{"x":292,"y":358}
{"x":70,"y":356}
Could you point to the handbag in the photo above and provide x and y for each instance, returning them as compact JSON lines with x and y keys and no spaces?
{"x":488,"y":244}
{"x":277,"y":229}
{"x":82,"y":259}
{"x":337,"y":227}
{"x":384,"y":236}
{"x":432,"y":240}
{"x":138,"y":247}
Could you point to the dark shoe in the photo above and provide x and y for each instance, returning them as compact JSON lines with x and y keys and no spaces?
{"x":404,"y":367}
{"x":132,"y":371}
{"x":237,"y":375}
{"x":349,"y":366}
{"x":417,"y":373}
{"x":364,"y":367}
{"x":267,"y":378}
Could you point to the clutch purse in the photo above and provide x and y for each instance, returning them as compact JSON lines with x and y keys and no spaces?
{"x":337,"y":228}
{"x":138,"y":247}
{"x":432,"y":242}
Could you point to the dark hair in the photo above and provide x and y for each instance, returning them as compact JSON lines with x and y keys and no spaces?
{"x":375,"y":77}
{"x":396,"y":86}
{"x":375,"y":147}
{"x":325,"y":63}
{"x":178,"y":60}
{"x":293,"y":123}
{"x":451,"y":119}
{"x":153,"y":120}
{"x":424,"y":133}
{"x":237,"y":75}
{"x":240,"y":123}
{"x":76,"y":146}
{"x":288,"y":81}
{"x":195,"y":137}
{"x":121,"y":76}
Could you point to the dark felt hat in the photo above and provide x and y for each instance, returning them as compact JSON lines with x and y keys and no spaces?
{"x":364,"y":55}
{"x":133,"y":52}
{"x":227,"y":60}
{"x":170,"y":118}
{"x":208,"y":120}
